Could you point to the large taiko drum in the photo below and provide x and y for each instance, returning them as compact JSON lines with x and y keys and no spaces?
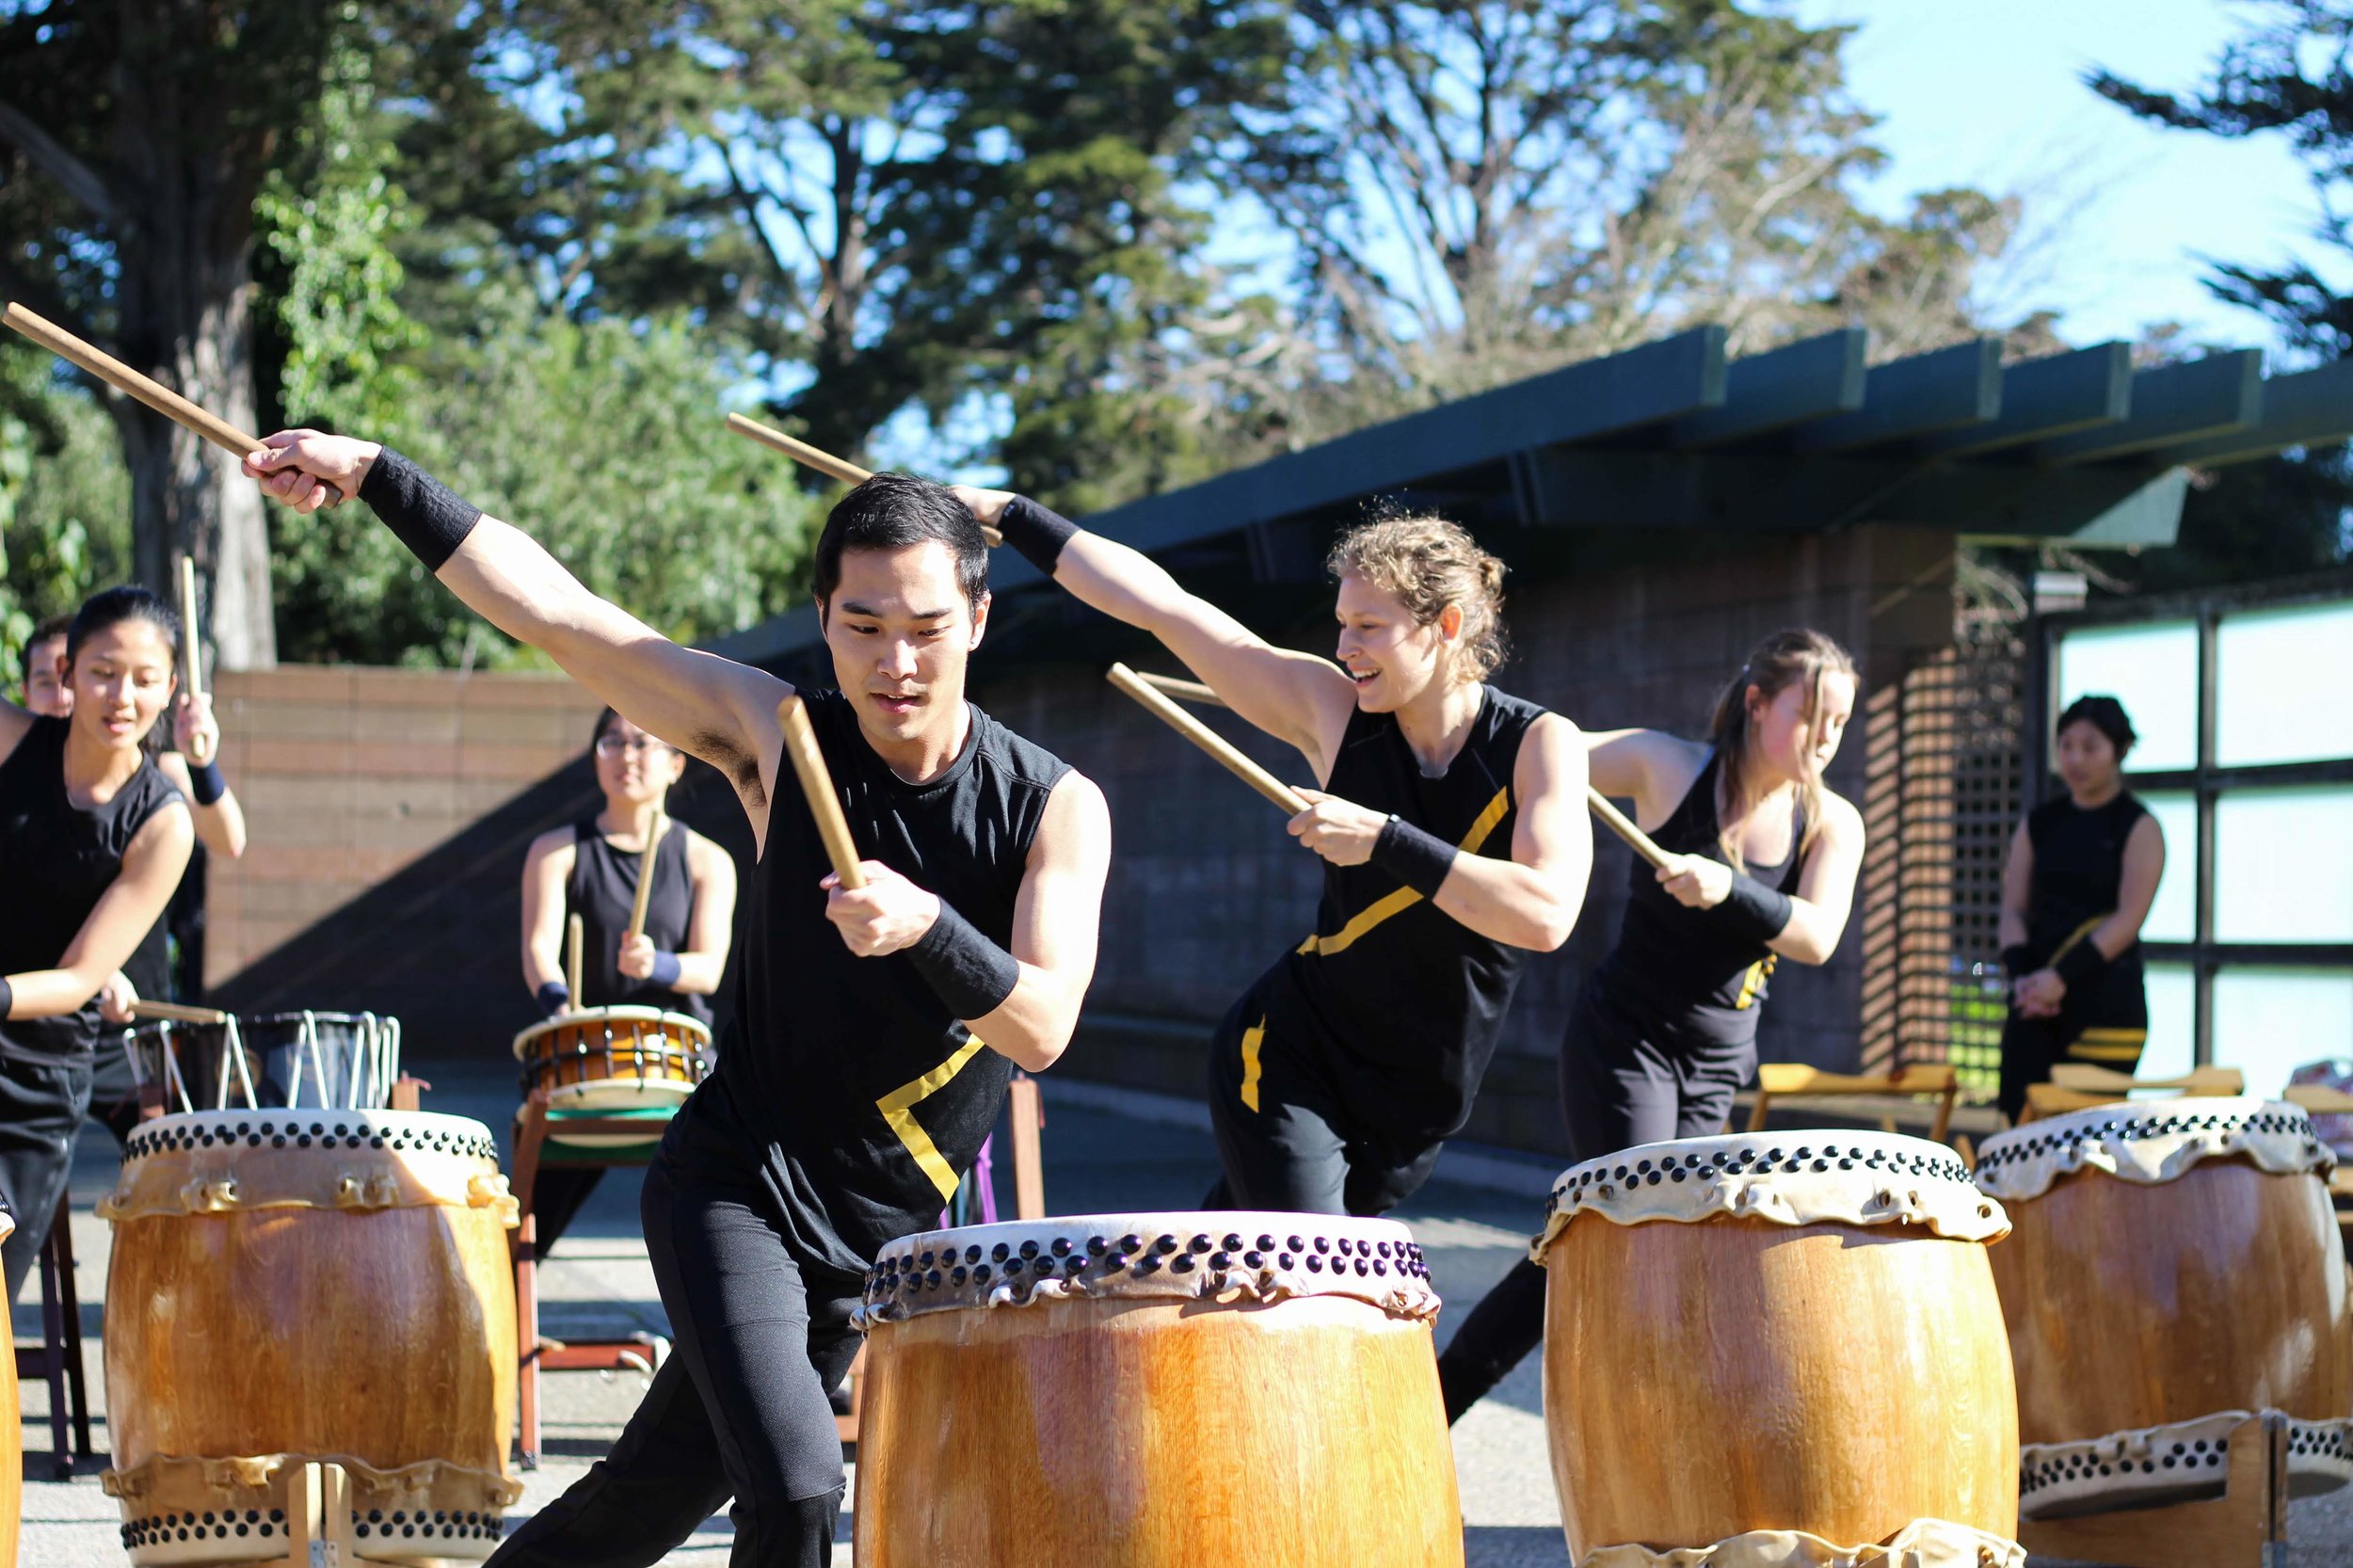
{"x":310,"y":1284}
{"x":2175,"y":1268}
{"x":614,"y":1059}
{"x":1145,"y":1391}
{"x":11,"y":1434}
{"x":1781,"y":1348}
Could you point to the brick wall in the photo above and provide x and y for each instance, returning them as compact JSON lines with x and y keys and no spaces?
{"x":1207,"y":890}
{"x":350,"y":775}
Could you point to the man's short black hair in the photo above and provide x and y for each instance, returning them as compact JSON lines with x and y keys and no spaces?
{"x":896,"y":511}
{"x":56,"y":626}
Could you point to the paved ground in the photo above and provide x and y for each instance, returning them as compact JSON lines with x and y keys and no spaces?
{"x":1105,"y":1152}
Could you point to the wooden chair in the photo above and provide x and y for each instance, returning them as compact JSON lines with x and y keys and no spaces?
{"x":1907,"y":1085}
{"x":2320,"y":1100}
{"x":2079,"y":1086}
{"x":57,"y":1360}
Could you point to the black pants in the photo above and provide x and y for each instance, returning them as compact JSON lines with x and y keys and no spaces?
{"x":2106,"y":1029}
{"x":1625,"y":1079}
{"x":1286,"y":1139}
{"x":738,"y":1410}
{"x":41,"y":1105}
{"x":114,"y":1093}
{"x":556,"y":1197}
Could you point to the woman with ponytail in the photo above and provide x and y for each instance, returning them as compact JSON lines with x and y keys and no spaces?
{"x":1761,"y":867}
{"x":1451,"y":818}
{"x":93,"y":840}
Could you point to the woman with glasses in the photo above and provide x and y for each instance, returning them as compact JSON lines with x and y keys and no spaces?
{"x":591,"y":870}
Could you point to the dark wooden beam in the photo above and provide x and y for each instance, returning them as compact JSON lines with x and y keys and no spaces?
{"x":2172,"y":404}
{"x":1581,"y":488}
{"x":1944,"y":389}
{"x":2311,"y":408}
{"x":2047,"y":397}
{"x":1788,"y":386}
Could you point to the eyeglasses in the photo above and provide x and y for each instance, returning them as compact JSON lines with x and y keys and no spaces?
{"x":643,"y":746}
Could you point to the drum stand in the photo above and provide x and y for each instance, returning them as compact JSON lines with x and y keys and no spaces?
{"x":318,"y":1522}
{"x":2245,"y":1528}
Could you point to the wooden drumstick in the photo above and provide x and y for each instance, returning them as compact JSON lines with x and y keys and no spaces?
{"x":817,"y":458}
{"x":191,"y":649}
{"x":575,"y":939}
{"x":123,"y":378}
{"x":808,"y":766}
{"x":659,"y":825}
{"x":1207,"y":739}
{"x":179,"y":1013}
{"x":1611,"y":818}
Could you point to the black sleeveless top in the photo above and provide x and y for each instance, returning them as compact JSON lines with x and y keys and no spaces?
{"x":2078,"y":871}
{"x":602,"y":890}
{"x":1683,"y":965}
{"x":72,"y":855}
{"x":1409,"y":1000}
{"x":864,"y":1100}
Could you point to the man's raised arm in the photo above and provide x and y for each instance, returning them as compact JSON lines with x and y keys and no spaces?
{"x":712,"y":708}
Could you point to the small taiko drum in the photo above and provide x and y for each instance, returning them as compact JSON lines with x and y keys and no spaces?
{"x":11,"y":1434}
{"x":300,"y":1285}
{"x":614,"y":1059}
{"x":2175,"y":1270}
{"x":269,"y":1058}
{"x":1778,"y":1348}
{"x":1153,"y":1390}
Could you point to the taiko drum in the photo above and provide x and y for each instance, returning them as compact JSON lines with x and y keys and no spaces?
{"x":2175,"y":1266}
{"x":1786,"y":1334}
{"x":614,"y":1059}
{"x":1144,"y":1391}
{"x":310,"y":1284}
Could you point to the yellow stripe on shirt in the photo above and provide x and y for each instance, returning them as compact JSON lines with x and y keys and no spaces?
{"x":1405,"y":898}
{"x":1252,"y":1038}
{"x":898,"y":1108}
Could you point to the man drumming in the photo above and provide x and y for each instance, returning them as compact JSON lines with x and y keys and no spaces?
{"x":853,"y":1088}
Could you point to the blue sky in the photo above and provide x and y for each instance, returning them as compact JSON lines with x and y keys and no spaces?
{"x":1988,"y":92}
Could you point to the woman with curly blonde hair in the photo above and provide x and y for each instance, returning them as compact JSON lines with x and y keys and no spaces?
{"x":1451,"y":818}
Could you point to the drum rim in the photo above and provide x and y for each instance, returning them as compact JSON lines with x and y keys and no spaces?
{"x":664,"y":1085}
{"x":628,"y":1012}
{"x":430,"y":1121}
{"x":2207,"y":1437}
{"x":1799,"y":1145}
{"x":1269,"y":1220}
{"x":2136,"y":1113}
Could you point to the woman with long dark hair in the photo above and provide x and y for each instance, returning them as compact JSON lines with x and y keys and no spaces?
{"x":2082,"y":873}
{"x":94,"y":839}
{"x":1762,"y":863}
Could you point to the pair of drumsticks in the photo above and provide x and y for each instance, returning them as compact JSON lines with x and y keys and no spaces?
{"x":808,"y":762}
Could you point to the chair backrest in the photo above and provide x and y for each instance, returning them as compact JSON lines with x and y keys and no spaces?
{"x":2084,"y":1078}
{"x":2318,"y":1098}
{"x":1796,"y":1077}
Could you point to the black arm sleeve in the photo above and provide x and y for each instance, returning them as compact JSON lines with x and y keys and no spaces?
{"x":964,"y":968}
{"x":1753,"y":909}
{"x":1036,"y":533}
{"x":422,"y":513}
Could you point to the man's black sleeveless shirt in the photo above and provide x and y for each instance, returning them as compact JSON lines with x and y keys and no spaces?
{"x":2078,"y":871}
{"x":1682,"y":964}
{"x":56,"y":859}
{"x":866,"y":1100}
{"x":602,"y":889}
{"x":1407,"y":999}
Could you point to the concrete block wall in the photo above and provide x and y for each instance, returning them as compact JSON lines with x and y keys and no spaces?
{"x":350,"y":775}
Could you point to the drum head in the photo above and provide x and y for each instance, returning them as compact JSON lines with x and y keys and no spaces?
{"x":691,"y":1032}
{"x":1249,"y":1256}
{"x":2150,"y":1142}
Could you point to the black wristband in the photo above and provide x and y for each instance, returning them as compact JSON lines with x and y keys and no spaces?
{"x":964,"y":968}
{"x":422,"y":513}
{"x":1756,"y":911}
{"x":2018,"y":961}
{"x":553,"y":998}
{"x":7,"y":997}
{"x":1417,"y":858}
{"x":1036,"y":533}
{"x":2081,"y":966}
{"x":207,"y":783}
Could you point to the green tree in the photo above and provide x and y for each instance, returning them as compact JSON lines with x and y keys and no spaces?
{"x":2287,"y":76}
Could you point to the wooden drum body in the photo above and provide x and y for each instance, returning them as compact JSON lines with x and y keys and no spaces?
{"x":289,"y":1286}
{"x":614,"y":1059}
{"x":1145,"y":1391}
{"x":12,"y":1440}
{"x":1779,"y":1348}
{"x":2174,"y":1270}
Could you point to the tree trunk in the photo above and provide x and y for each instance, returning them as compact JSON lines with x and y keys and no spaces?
{"x":184,"y":303}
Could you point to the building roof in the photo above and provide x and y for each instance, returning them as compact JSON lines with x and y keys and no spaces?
{"x":1673,"y":438}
